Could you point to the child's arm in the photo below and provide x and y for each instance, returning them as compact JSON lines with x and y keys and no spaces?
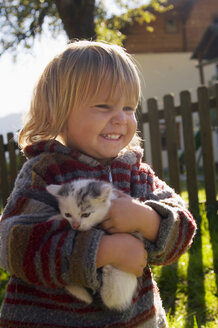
{"x":168,"y":232}
{"x":43,"y":252}
{"x":129,"y":215}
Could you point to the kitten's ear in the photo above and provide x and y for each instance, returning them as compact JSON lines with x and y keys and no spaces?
{"x":105,"y":191}
{"x":53,"y":189}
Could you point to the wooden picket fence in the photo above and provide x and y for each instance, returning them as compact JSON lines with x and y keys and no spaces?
{"x":169,"y":113}
{"x":11,"y":159}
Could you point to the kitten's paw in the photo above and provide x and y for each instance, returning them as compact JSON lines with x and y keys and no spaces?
{"x":118,"y":288}
{"x":80,"y":293}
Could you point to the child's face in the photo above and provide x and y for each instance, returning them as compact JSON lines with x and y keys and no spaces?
{"x":103,"y":127}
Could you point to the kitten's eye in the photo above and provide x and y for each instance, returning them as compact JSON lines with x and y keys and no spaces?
{"x":67,"y":215}
{"x":85,"y":215}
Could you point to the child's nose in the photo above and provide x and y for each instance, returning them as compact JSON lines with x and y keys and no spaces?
{"x":119,"y":118}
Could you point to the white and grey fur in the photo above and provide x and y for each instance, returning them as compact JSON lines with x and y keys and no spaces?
{"x":85,"y":203}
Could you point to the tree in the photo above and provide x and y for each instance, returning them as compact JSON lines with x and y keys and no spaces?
{"x":21,"y":21}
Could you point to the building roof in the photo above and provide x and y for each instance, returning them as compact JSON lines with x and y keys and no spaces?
{"x":207,"y":49}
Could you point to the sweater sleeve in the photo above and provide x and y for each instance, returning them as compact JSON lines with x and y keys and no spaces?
{"x":42,"y":251}
{"x":177,"y":226}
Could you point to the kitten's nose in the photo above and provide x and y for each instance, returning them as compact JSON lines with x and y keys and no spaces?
{"x":76,"y":225}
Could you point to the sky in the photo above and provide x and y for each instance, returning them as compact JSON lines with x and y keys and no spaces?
{"x":17,"y":79}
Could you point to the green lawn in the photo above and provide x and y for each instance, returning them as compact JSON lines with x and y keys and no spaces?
{"x":189,"y":287}
{"x":201,"y":191}
{"x":191,"y":297}
{"x":3,"y":282}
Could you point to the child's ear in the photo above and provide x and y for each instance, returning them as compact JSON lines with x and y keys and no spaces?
{"x":53,"y":189}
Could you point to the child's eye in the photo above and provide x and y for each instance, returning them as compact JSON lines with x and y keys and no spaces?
{"x":103,"y":106}
{"x":85,"y":215}
{"x":128,"y":108}
{"x":67,"y":215}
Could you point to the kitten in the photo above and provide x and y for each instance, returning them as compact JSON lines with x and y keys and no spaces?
{"x":85,"y":203}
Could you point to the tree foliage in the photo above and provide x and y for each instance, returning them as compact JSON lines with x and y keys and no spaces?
{"x":21,"y":21}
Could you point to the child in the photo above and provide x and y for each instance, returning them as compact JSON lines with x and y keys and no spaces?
{"x":86,"y":98}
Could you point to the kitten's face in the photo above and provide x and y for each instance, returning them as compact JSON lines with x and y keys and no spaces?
{"x":84,"y":203}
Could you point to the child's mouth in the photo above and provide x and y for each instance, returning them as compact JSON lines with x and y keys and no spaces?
{"x":112,"y":136}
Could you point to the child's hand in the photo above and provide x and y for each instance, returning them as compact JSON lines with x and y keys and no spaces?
{"x":122,"y":216}
{"x":124,"y":252}
{"x":129,"y":215}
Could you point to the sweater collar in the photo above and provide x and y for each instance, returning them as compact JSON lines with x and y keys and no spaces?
{"x":129,"y":157}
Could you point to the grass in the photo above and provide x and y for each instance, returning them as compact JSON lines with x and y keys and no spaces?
{"x":201,"y":191}
{"x":3,"y":283}
{"x":189,"y":287}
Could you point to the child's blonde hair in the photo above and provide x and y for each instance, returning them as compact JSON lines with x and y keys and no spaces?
{"x":72,"y":78}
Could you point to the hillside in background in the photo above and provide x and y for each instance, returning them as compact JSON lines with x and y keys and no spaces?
{"x":10,"y":123}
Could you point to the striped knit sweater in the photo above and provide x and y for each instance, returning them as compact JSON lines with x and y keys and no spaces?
{"x":44,"y":256}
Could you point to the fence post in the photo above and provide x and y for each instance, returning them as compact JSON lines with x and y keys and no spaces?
{"x":140,"y":126}
{"x":4,"y":173}
{"x":216,"y":95}
{"x":171,"y":140}
{"x":207,"y":147}
{"x":155,"y":137}
{"x":189,"y":151}
{"x":12,"y":157}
